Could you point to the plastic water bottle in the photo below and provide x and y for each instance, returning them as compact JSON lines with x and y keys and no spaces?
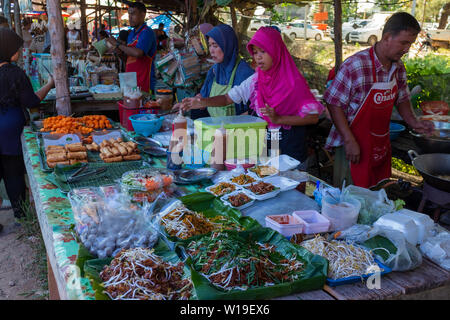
{"x":318,"y":193}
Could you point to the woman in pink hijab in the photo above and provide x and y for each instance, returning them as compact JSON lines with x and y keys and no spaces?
{"x":277,"y":92}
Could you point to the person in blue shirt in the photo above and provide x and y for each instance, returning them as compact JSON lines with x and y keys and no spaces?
{"x":16,"y":95}
{"x":141,"y":46}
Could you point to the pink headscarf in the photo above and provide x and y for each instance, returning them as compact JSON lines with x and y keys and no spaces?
{"x":282,"y":87}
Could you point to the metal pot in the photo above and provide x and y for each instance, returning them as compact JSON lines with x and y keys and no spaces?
{"x":430,"y":166}
{"x":431,"y":144}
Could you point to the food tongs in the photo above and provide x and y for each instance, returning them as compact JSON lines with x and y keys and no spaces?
{"x":82,"y":173}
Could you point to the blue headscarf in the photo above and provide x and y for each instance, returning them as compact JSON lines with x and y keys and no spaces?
{"x":225,"y":37}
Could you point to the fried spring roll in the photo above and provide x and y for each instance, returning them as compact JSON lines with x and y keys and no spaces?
{"x":132,"y":157}
{"x":113,"y":159}
{"x":77,"y":155}
{"x":55,"y":157}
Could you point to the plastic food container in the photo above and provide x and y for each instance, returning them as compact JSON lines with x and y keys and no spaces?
{"x":245,"y":135}
{"x":283,"y":162}
{"x":261,"y":197}
{"x":423,"y":222}
{"x":283,"y":183}
{"x":341,"y":215}
{"x":337,"y":282}
{"x":401,"y":223}
{"x":209,"y":189}
{"x":285,"y":224}
{"x":314,"y":222}
{"x":246,"y":205}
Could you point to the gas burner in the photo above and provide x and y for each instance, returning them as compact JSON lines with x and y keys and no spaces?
{"x":441,"y":199}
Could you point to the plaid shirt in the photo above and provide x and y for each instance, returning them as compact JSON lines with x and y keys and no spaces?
{"x":353,"y":83}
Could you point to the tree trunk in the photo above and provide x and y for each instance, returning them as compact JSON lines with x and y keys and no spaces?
{"x":56,"y":29}
{"x":337,"y":34}
{"x":84,"y":32}
{"x":444,"y":16}
{"x":234,"y":20}
{"x":7,"y":11}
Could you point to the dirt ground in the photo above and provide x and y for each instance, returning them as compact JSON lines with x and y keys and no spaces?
{"x":19,"y":272}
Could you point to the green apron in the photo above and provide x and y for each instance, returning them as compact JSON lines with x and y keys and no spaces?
{"x":222,"y":89}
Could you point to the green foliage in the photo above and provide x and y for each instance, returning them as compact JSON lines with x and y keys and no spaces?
{"x":432,"y":73}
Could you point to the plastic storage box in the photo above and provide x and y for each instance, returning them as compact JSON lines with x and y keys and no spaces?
{"x":314,"y":222}
{"x":285,"y":224}
{"x":245,"y":135}
{"x":125,"y":113}
{"x":337,"y":282}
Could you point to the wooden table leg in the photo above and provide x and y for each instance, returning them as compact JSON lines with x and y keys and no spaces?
{"x":52,"y":286}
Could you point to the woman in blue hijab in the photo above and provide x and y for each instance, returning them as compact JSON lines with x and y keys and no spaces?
{"x":229,"y":71}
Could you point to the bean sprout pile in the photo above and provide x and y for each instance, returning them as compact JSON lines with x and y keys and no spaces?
{"x":139,"y":274}
{"x":231,"y":262}
{"x":184,"y":223}
{"x":345,"y":260}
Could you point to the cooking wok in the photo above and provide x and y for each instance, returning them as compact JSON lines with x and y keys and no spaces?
{"x":431,"y":144}
{"x":430,"y":166}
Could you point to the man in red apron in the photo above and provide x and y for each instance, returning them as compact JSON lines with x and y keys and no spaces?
{"x":141,"y":46}
{"x":360,"y":100}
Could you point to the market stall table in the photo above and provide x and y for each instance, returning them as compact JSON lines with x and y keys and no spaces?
{"x":56,"y":219}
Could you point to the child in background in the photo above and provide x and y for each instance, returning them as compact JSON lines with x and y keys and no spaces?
{"x":277,"y":92}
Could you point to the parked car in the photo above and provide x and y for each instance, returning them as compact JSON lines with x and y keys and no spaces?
{"x":348,"y":27}
{"x":257,"y":23}
{"x":297,"y":30}
{"x":372,"y":32}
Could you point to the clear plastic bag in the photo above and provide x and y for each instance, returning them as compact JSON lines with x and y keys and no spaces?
{"x":437,"y":248}
{"x":117,"y":223}
{"x":374,"y":204}
{"x":406,"y":256}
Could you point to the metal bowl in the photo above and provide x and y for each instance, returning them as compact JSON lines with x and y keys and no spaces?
{"x":196,"y":175}
{"x":155,"y":151}
{"x":431,"y":144}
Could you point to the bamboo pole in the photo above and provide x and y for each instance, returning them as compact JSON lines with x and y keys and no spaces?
{"x":58,"y":52}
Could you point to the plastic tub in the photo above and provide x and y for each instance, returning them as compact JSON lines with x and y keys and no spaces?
{"x":314,"y":221}
{"x":285,"y":224}
{"x":423,"y":222}
{"x":401,"y":223}
{"x":146,"y":127}
{"x":341,"y":215}
{"x":245,"y":135}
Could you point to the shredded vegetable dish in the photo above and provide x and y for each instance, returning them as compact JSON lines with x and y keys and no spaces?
{"x":139,"y":274}
{"x":223,"y":188}
{"x":243,"y":179}
{"x":231,"y":262}
{"x":184,"y":223}
{"x":345,"y":260}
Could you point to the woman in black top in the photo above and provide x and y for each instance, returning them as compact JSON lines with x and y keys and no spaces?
{"x":16,"y":95}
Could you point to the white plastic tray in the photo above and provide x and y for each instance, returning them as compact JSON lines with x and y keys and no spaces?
{"x":283,"y":183}
{"x":208,"y":189}
{"x":248,"y":204}
{"x":240,"y":185}
{"x":258,"y":177}
{"x":263,"y":196}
